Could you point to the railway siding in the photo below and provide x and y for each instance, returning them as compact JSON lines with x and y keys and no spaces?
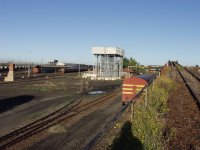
{"x":183,"y":120}
{"x":194,"y":73}
{"x":62,"y":114}
{"x":191,"y":81}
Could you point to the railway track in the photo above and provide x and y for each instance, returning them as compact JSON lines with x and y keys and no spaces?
{"x":39,"y":78}
{"x":194,"y":74}
{"x":73,"y":108}
{"x":32,"y":80}
{"x":191,"y":81}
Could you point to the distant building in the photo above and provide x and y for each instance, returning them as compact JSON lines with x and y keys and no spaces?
{"x":53,"y":63}
{"x":127,"y":73}
{"x":60,"y":64}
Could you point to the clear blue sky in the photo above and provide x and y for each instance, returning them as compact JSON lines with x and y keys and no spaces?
{"x":151,"y":31}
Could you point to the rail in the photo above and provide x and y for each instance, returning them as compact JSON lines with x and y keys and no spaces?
{"x":188,"y":86}
{"x":50,"y":120}
{"x":195,"y":76}
{"x":32,"y":80}
{"x":116,"y":117}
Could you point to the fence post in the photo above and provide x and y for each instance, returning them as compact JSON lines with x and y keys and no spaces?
{"x":146,"y":96}
{"x":132,"y":112}
{"x":153,"y":83}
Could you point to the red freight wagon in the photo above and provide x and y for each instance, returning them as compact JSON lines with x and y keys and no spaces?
{"x":131,"y":87}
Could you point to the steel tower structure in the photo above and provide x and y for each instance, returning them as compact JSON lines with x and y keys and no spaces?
{"x":109,"y":62}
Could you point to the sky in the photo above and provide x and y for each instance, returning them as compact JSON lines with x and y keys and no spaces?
{"x":151,"y":31}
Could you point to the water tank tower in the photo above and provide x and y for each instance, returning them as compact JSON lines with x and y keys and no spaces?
{"x":109,"y":62}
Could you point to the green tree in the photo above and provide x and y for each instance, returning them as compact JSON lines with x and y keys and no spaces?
{"x":129,"y":62}
{"x":133,"y":62}
{"x":125,"y":62}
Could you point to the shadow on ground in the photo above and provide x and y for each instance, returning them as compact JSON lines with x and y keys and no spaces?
{"x":126,"y":139}
{"x":9,"y":103}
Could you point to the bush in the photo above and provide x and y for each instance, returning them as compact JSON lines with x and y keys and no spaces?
{"x":148,"y":121}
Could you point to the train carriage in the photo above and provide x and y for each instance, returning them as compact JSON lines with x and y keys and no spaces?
{"x":131,"y":86}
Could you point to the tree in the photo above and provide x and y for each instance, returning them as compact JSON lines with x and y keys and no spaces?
{"x":125,"y":62}
{"x":133,"y":62}
{"x":129,"y":62}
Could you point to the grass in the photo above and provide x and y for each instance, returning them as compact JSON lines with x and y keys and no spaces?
{"x":45,"y":87}
{"x":57,"y":129}
{"x":57,"y":85}
{"x":148,"y":122}
{"x":35,"y":116}
{"x":180,"y":67}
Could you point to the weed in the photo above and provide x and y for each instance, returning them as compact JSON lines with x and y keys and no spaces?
{"x":35,"y":116}
{"x":57,"y":129}
{"x":148,"y":122}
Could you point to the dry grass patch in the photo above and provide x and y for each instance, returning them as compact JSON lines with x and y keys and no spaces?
{"x":57,"y":129}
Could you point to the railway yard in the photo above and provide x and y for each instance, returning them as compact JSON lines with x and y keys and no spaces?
{"x":69,"y":112}
{"x":59,"y":101}
{"x":99,"y":75}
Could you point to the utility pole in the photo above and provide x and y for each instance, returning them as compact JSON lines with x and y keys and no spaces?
{"x":132,"y":112}
{"x":19,"y":66}
{"x":79,"y":70}
{"x":29,"y":66}
{"x":79,"y":67}
{"x":146,"y":96}
{"x":41,"y":65}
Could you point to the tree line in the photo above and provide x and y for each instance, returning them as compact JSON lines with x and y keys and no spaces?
{"x":129,"y":62}
{"x":132,"y":62}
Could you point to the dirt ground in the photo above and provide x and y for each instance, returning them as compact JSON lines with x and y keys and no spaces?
{"x":26,"y":102}
{"x":79,"y":131}
{"x":114,"y":133}
{"x":183,"y":121}
{"x":23,"y":103}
